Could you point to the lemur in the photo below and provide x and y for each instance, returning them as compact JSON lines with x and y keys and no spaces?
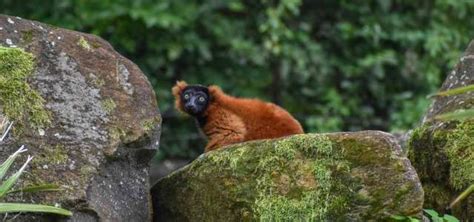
{"x":225,"y":119}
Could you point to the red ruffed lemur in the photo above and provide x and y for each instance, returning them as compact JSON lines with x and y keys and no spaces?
{"x":227,"y":120}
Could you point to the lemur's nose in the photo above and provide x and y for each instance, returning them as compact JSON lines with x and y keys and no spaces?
{"x":190,"y":107}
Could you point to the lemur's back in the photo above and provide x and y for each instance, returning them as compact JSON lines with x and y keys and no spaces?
{"x":262,"y":120}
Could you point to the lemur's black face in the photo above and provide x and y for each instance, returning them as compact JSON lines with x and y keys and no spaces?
{"x":195,"y":99}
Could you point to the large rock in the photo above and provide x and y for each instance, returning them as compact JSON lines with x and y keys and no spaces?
{"x":87,"y":115}
{"x":361,"y":176}
{"x":443,"y":151}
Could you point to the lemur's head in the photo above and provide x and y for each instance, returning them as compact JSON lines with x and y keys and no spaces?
{"x":192,"y":99}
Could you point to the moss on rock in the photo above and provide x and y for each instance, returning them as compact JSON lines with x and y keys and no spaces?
{"x":287,"y":186}
{"x":18,"y":100}
{"x":52,"y":155}
{"x":82,"y":42}
{"x":460,"y":151}
{"x":443,"y":154}
{"x":305,"y":177}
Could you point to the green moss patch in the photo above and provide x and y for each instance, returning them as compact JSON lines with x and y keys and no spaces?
{"x":82,"y":42}
{"x":295,"y":178}
{"x":18,"y":100}
{"x":444,"y":154}
{"x":460,"y":151}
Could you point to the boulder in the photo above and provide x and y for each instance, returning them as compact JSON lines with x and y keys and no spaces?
{"x":443,"y":151}
{"x":360,"y":176}
{"x":88,"y":116}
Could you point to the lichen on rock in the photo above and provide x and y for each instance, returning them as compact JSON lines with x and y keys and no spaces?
{"x":18,"y":100}
{"x":108,"y":105}
{"x":82,"y":42}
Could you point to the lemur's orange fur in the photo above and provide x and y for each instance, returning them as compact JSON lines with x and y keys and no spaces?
{"x":232,"y":120}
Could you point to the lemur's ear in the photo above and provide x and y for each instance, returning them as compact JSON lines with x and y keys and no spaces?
{"x":176,"y":90}
{"x":215,"y":91}
{"x":180,"y":85}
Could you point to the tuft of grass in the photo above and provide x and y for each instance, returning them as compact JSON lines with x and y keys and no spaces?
{"x":7,"y":185}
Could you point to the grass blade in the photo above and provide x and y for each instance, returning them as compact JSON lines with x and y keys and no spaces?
{"x":462,"y":196}
{"x":13,"y":178}
{"x":6,"y":165}
{"x":7,"y":130}
{"x":21,"y":207}
{"x":37,"y":188}
{"x":455,"y":91}
{"x":460,"y":115}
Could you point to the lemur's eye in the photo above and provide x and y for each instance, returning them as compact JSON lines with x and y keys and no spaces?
{"x":202,"y":99}
{"x":186,"y":96}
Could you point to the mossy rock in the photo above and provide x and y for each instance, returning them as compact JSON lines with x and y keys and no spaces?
{"x":443,"y":151}
{"x":360,"y":176}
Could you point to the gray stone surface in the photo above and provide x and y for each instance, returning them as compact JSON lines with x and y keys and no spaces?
{"x":461,"y":75}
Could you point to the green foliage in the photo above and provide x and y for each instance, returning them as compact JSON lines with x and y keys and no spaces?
{"x":456,"y":91}
{"x":462,"y":114}
{"x":431,"y":214}
{"x":7,"y":185}
{"x":21,"y":207}
{"x":335,"y":65}
{"x":435,"y":217}
{"x":403,"y":218}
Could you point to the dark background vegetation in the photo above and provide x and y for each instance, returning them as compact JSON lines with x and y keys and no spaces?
{"x":335,"y":64}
